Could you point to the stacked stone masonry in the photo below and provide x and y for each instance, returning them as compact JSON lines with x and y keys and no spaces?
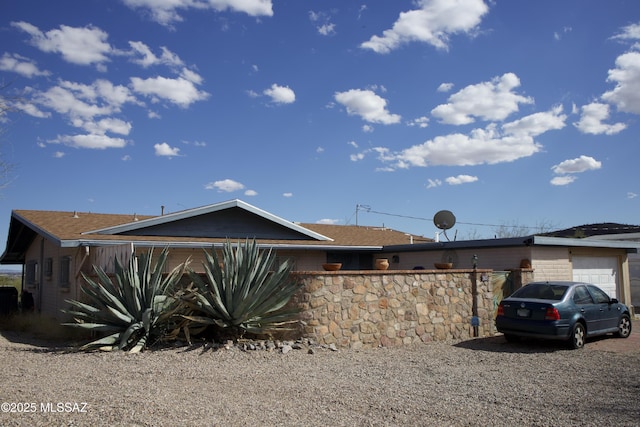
{"x":365,"y":309}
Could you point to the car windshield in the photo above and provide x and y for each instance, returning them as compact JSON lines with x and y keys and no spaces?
{"x":541,"y":291}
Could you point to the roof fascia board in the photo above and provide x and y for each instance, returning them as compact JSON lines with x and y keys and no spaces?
{"x":187,"y":244}
{"x":163,"y":219}
{"x":516,"y":241}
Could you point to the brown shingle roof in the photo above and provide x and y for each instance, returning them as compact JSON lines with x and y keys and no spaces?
{"x":70,"y":226}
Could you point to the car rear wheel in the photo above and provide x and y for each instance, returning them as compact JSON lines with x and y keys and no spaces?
{"x":577,"y":336}
{"x":624,"y":327}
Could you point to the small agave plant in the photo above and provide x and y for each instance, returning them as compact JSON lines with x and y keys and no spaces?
{"x":133,"y":308}
{"x":245,"y":292}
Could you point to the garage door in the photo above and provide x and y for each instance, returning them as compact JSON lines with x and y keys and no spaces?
{"x":601,"y":271}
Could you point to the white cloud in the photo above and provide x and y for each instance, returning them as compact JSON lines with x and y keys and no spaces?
{"x":631,"y":195}
{"x":353,"y":144}
{"x":433,"y":23}
{"x":146,"y":58}
{"x":563,"y":180}
{"x":78,"y":45}
{"x":630,"y":32}
{"x":166,"y":12}
{"x":536,"y":124}
{"x":626,"y":95}
{"x":433,"y":183}
{"x":102,"y":126}
{"x":421,"y":122}
{"x":21,"y":65}
{"x":287,"y":194}
{"x":461,"y":179}
{"x":592,"y":119}
{"x":481,"y":146}
{"x":165,"y":150}
{"x":327,"y":29}
{"x":493,"y":100}
{"x":445,"y":87}
{"x":58,"y":155}
{"x":126,"y":158}
{"x":280,"y":94}
{"x":85,"y":101}
{"x":320,"y":150}
{"x":367,"y":128}
{"x":179,"y":91}
{"x":250,"y":193}
{"x":366,"y":104}
{"x":93,"y":141}
{"x":357,"y":157}
{"x":581,"y":164}
{"x":225,"y":185}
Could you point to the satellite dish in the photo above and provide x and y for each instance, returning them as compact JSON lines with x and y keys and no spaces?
{"x":444,"y":220}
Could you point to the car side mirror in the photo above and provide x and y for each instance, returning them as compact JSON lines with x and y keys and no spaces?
{"x":613,"y":301}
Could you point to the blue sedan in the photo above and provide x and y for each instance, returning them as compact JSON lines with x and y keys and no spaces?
{"x":569,"y":311}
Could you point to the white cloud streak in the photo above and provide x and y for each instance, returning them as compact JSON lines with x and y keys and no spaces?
{"x":366,"y":104}
{"x":166,"y":12}
{"x":78,"y":45}
{"x":494,"y":101}
{"x":280,"y":94}
{"x":434,"y":23}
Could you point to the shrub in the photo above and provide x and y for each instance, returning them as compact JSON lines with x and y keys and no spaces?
{"x":134,"y":308}
{"x":245,"y":292}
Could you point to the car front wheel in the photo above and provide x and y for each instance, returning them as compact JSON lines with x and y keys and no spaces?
{"x":577,"y":336}
{"x":624,"y":326}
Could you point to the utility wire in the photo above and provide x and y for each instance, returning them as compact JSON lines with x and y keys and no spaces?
{"x":369,"y":210}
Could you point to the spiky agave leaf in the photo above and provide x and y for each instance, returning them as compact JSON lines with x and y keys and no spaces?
{"x":133,"y":305}
{"x":244,"y":292}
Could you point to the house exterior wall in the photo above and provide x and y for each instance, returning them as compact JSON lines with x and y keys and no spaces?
{"x":493,"y":258}
{"x":356,"y":309}
{"x":52,"y":286}
{"x":302,"y":260}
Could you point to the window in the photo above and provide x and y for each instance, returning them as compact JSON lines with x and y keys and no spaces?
{"x":48,"y":268}
{"x":31,"y":275}
{"x":581,"y":296}
{"x":598,"y":295}
{"x":65,"y":271}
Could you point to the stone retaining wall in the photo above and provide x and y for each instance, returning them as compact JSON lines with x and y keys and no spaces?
{"x":364,"y":309}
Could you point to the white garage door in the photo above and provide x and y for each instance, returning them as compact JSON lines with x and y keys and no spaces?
{"x":601,"y":271}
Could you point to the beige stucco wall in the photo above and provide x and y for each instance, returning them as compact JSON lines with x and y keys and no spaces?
{"x":48,"y":292}
{"x":493,"y":258}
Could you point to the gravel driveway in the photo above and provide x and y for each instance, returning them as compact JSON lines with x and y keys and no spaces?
{"x":481,"y":382}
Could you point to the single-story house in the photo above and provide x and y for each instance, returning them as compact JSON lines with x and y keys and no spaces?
{"x":56,"y":247}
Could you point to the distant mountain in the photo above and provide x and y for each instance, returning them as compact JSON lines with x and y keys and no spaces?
{"x":589,"y":230}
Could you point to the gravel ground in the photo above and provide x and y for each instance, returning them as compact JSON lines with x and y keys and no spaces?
{"x":481,"y":382}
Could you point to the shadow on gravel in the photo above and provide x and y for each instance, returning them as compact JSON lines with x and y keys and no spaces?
{"x":498,"y":344}
{"x":37,"y":344}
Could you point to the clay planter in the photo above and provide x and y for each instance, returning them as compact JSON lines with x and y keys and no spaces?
{"x":332,"y":266}
{"x":443,"y":265}
{"x":382,"y":264}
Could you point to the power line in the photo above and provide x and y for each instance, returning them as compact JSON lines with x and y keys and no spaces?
{"x":368,"y":209}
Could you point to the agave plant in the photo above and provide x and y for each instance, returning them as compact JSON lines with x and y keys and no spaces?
{"x":245,"y":291}
{"x":132,"y":308}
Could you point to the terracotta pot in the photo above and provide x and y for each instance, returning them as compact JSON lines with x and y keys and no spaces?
{"x":382,"y":264}
{"x":443,"y":265}
{"x":332,"y":266}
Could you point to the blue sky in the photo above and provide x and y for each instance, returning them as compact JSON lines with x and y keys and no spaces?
{"x":503,"y":112}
